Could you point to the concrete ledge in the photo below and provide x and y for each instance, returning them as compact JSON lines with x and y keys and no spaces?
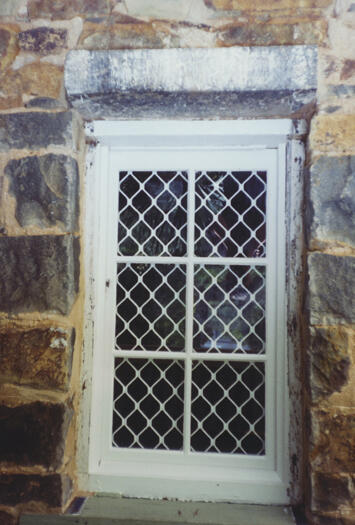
{"x":114,"y":510}
{"x":203,"y":83}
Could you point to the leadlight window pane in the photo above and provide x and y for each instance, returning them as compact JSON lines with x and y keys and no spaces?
{"x":150,"y":307}
{"x":230,"y":213}
{"x":229,"y":309}
{"x":152,"y":216}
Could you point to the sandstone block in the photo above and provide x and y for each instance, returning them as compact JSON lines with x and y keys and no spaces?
{"x":43,"y":40}
{"x":332,"y":443}
{"x":38,"y":273}
{"x":36,"y":79}
{"x":46,"y":191}
{"x":333,"y":134}
{"x":33,"y":130}
{"x":331,"y":289}
{"x":39,"y":357}
{"x":8,"y":518}
{"x":65,"y":9}
{"x":34,"y":434}
{"x":332,"y":190}
{"x":272,"y":34}
{"x":330,"y":491}
{"x":329,"y":361}
{"x":120,"y":36}
{"x":52,"y":490}
{"x":265,"y":5}
{"x":8,"y":47}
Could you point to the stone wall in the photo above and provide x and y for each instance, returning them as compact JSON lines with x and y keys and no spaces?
{"x":42,"y":154}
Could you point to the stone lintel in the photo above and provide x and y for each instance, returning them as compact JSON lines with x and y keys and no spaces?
{"x":198,"y":83}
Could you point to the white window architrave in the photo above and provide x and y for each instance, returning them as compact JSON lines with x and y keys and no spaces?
{"x":224,"y":477}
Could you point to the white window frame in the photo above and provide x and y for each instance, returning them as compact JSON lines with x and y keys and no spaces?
{"x":268,"y":480}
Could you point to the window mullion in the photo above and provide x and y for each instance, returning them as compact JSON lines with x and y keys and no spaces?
{"x":189,"y":307}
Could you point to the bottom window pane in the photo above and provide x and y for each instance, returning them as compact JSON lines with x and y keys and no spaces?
{"x":227,"y":412}
{"x":148,"y":404}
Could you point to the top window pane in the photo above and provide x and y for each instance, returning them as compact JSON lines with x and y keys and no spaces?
{"x":152,"y":217}
{"x":230,"y":213}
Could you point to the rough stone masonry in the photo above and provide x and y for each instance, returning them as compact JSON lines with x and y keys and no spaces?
{"x":42,"y":166}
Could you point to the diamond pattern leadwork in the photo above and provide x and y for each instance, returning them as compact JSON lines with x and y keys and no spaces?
{"x":148,"y":404}
{"x":152,"y":213}
{"x":150,"y":307}
{"x":229,"y":311}
{"x":227,"y":412}
{"x":230,"y":213}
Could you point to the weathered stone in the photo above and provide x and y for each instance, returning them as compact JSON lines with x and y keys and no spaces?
{"x":39,"y":357}
{"x":44,"y":103}
{"x":65,"y":9}
{"x":273,"y":34}
{"x":329,"y":361}
{"x":46,"y":191}
{"x":120,"y":36}
{"x":41,"y":79}
{"x":11,"y":7}
{"x":331,"y":518}
{"x":341,"y":91}
{"x":245,"y":104}
{"x":332,"y":206}
{"x":196,"y":70}
{"x":38,"y":273}
{"x":11,"y":91}
{"x":43,"y":40}
{"x":331,"y":289}
{"x":265,"y":5}
{"x":8,"y":518}
{"x":166,"y":9}
{"x":139,"y":84}
{"x":36,"y":79}
{"x":35,"y":130}
{"x":52,"y":490}
{"x":34,"y":434}
{"x":348,"y":69}
{"x":8,"y":47}
{"x":332,"y":441}
{"x":333,"y":133}
{"x":330,"y":491}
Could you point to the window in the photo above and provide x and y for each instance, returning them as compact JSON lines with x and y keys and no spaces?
{"x":189,"y":390}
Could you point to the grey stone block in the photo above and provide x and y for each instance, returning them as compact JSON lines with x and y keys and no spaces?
{"x":332,"y":202}
{"x":34,"y":434}
{"x":148,"y":105}
{"x":35,"y":130}
{"x":203,"y":83}
{"x":331,"y":289}
{"x":43,"y":40}
{"x":46,"y":191}
{"x":38,"y":273}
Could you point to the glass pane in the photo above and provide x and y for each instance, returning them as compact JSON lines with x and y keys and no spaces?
{"x":148,"y":404}
{"x":229,"y":309}
{"x":230,"y":213}
{"x":150,"y":307}
{"x":227,"y":413}
{"x":152,"y":213}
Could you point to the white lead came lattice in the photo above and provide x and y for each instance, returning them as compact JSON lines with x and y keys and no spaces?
{"x":191,"y":286}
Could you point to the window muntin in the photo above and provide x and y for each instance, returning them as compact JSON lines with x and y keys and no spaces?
{"x":191,"y":215}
